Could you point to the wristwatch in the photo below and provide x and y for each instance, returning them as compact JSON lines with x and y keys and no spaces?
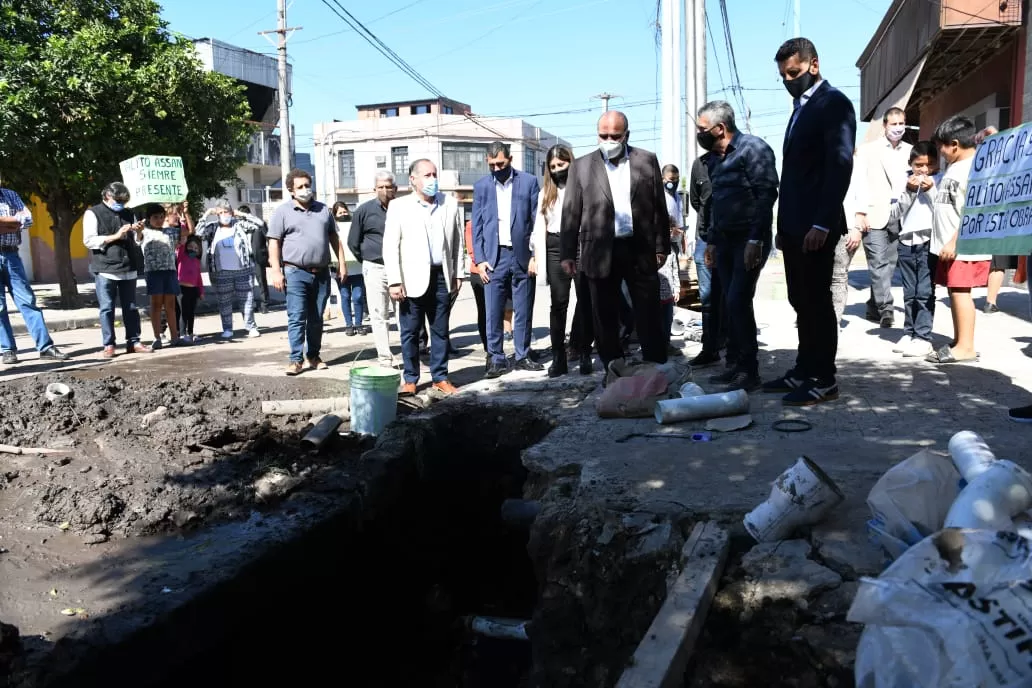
{"x":755,"y":242}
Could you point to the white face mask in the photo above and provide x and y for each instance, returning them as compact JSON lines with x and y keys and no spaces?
{"x":611,"y":149}
{"x":895,"y":134}
{"x":303,"y":195}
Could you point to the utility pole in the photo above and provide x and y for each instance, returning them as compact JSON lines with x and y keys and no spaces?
{"x":286,"y":141}
{"x":604,"y":97}
{"x":672,"y":138}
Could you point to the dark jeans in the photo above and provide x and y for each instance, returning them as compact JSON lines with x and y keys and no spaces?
{"x":559,"y":285}
{"x":668,"y":320}
{"x":917,"y":270}
{"x":648,"y":314}
{"x":125,"y":291}
{"x":738,"y":287}
{"x":434,"y":307}
{"x":808,"y":277}
{"x":352,"y":293}
{"x":714,"y":318}
{"x":880,"y":249}
{"x":477,"y":285}
{"x":307,"y":294}
{"x":262,"y":284}
{"x":191,"y":295}
{"x":582,"y":330}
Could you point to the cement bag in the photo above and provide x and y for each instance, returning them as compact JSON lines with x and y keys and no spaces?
{"x":634,"y":396}
{"x":911,"y":500}
{"x":676,"y":374}
{"x":951,"y":612}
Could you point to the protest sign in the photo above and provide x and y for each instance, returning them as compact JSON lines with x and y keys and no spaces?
{"x":997,"y":217}
{"x":154,"y":179}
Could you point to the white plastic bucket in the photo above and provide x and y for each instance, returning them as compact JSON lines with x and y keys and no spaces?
{"x":706,"y":406}
{"x":970,"y":453}
{"x":802,"y":495}
{"x":374,"y":398}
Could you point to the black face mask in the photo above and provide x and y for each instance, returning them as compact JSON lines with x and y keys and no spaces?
{"x":707,"y":139}
{"x":502,"y":174}
{"x":801,"y":84}
{"x":560,"y":176}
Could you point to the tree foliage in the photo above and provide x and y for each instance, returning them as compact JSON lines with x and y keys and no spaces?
{"x":85,"y":84}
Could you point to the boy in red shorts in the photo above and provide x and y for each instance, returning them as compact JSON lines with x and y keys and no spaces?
{"x":956,"y":141}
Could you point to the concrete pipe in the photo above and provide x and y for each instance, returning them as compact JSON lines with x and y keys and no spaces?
{"x":699,"y":408}
{"x":992,"y":499}
{"x":326,"y":426}
{"x":520,"y":513}
{"x":308,"y":407}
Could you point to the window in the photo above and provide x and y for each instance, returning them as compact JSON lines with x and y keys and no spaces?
{"x":389,"y":112}
{"x":381,"y":162}
{"x":399,"y":161}
{"x":346,"y":168}
{"x":468,"y":159}
{"x":530,"y":160}
{"x":420,"y":109}
{"x":447,"y":110}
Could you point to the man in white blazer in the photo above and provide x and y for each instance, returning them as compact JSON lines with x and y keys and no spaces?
{"x":421,"y":245}
{"x":883,"y":165}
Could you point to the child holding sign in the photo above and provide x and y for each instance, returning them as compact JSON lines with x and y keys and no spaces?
{"x":956,"y":140}
{"x":159,"y":267}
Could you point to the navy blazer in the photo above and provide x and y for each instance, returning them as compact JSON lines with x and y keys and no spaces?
{"x":525,"y":190}
{"x":817,"y":163}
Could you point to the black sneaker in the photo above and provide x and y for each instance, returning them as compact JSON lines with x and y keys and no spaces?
{"x":743,"y":380}
{"x":703,"y":359}
{"x":784,"y":385}
{"x":350,"y":331}
{"x":990,"y":308}
{"x":53,"y":354}
{"x":887,"y":320}
{"x":527,"y":364}
{"x":9,"y":358}
{"x":1021,"y":415}
{"x":496,"y":370}
{"x":811,"y":393}
{"x":724,"y":377}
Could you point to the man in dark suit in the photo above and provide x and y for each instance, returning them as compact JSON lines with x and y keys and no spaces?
{"x":504,"y":204}
{"x":817,"y":162}
{"x":615,"y":211}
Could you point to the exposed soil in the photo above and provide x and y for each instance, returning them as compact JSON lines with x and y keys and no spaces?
{"x":210,"y":455}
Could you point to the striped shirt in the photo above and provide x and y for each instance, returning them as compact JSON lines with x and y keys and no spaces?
{"x":11,"y":206}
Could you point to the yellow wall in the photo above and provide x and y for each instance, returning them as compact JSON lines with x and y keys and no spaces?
{"x":41,"y":240}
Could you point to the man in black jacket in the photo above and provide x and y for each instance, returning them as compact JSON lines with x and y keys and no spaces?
{"x":260,"y":251}
{"x":365,"y":240}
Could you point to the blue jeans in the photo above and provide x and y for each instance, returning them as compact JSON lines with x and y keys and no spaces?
{"x":432,"y":306}
{"x":352,"y":293}
{"x":13,"y":278}
{"x":738,"y":287}
{"x":509,"y":280}
{"x":714,"y":319}
{"x":917,"y":270}
{"x":125,"y":291}
{"x":307,"y":294}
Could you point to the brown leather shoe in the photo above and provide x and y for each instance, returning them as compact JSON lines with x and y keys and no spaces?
{"x":294,"y":368}
{"x":138,"y":348}
{"x":317,"y":363}
{"x":446,"y":388}
{"x":109,"y":352}
{"x":408,"y":389}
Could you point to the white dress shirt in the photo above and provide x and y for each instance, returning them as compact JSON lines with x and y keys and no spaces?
{"x":504,"y":194}
{"x":547,"y":223}
{"x":433,"y":222}
{"x":620,"y":186}
{"x":95,"y":242}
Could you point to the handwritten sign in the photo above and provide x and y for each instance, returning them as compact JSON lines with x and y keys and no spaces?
{"x":154,"y":179}
{"x":997,"y":217}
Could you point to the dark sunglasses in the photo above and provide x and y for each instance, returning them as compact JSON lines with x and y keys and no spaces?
{"x":611,"y":137}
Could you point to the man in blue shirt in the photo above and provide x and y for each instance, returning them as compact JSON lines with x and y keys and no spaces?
{"x":15,"y":218}
{"x":744,"y":183}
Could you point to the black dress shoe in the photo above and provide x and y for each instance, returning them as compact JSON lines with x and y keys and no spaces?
{"x":587,"y":367}
{"x":52,"y":353}
{"x":496,"y":370}
{"x":527,"y":364}
{"x":557,"y":368}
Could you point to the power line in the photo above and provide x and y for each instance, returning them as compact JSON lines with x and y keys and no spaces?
{"x":736,"y":81}
{"x":716,"y":57}
{"x":371,"y":21}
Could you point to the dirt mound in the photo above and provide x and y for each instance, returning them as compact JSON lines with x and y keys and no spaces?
{"x":148,"y":455}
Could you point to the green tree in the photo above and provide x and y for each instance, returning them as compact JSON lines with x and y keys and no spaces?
{"x":85,"y":84}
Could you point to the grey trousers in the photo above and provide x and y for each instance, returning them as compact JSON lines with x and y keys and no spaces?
{"x":840,"y":278}
{"x":882,"y":251}
{"x":379,"y":297}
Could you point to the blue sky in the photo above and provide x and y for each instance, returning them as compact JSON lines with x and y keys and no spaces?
{"x":517,"y":57}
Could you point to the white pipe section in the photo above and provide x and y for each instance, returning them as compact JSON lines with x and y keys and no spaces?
{"x":497,"y":627}
{"x":697,"y":408}
{"x":802,"y":495}
{"x":970,"y":453}
{"x":294,"y":407}
{"x":992,"y":499}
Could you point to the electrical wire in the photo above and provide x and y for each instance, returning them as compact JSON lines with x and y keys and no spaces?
{"x":736,"y":81}
{"x":716,"y":56}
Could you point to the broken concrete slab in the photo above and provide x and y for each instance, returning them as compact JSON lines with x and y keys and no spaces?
{"x":783,"y":571}
{"x":663,"y":654}
{"x":848,"y":553}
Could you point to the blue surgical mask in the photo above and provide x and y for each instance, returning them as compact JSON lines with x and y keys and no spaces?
{"x":117,"y":207}
{"x":430,"y":187}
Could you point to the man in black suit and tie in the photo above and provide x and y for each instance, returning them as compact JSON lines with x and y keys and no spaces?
{"x":817,"y":162}
{"x":615,"y":212}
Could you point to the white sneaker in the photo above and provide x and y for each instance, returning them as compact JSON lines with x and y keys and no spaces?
{"x":253,"y":333}
{"x":918,"y":348}
{"x":903,"y":344}
{"x":227,"y":334}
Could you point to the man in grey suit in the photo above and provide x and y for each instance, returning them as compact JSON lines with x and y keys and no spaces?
{"x":615,"y":212}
